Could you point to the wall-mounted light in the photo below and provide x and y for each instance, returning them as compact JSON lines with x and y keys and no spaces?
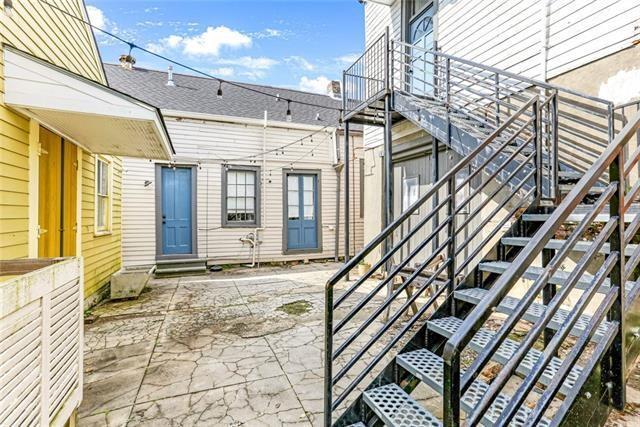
{"x":8,"y":7}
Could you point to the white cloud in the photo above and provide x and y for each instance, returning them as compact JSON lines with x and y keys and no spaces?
{"x":300,"y":62}
{"x":213,"y":39}
{"x":260,"y":63}
{"x":317,"y":85}
{"x":208,"y":43}
{"x":271,"y":33}
{"x":254,"y":74}
{"x":98,"y":18}
{"x":223,"y":72}
{"x":348,"y":59}
{"x":150,"y":24}
{"x":151,"y":9}
{"x":164,"y":44}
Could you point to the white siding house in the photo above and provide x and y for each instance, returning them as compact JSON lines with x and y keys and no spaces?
{"x":218,"y":146}
{"x":588,"y":46}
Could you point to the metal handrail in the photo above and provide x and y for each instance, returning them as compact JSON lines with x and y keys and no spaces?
{"x":382,"y":236}
{"x":478,"y":155}
{"x":610,"y":158}
{"x":532,"y":82}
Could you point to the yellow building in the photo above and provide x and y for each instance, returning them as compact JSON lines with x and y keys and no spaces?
{"x":62,"y":131}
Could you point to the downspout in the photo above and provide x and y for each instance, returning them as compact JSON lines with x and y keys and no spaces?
{"x":337,"y":167}
{"x":263,"y":193}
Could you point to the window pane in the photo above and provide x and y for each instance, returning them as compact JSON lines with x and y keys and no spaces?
{"x":240,"y":203}
{"x":250,"y":177}
{"x":251,"y":217}
{"x":250,"y":205}
{"x":231,"y":190}
{"x":231,"y":177}
{"x":307,"y":183}
{"x":241,"y":176}
{"x":308,"y":212}
{"x":241,"y":191}
{"x":308,"y":198}
{"x":294,"y":212}
{"x":231,"y":203}
{"x":251,"y":190}
{"x":102,"y":212}
{"x":292,"y":198}
{"x":292,"y":182}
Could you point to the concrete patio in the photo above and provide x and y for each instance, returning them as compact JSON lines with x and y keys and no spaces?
{"x":224,"y":349}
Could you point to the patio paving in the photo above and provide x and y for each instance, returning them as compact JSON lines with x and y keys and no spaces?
{"x":234,"y":348}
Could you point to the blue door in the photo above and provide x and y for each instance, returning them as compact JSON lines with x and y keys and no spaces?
{"x":176,"y":211}
{"x":302,"y":211}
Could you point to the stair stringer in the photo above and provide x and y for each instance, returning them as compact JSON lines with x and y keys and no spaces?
{"x":392,"y":373}
{"x":463,"y":142}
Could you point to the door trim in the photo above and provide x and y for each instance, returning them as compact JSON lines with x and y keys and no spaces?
{"x":285,"y":225}
{"x":194,"y":213}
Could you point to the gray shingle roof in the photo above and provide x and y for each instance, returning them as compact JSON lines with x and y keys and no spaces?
{"x":198,"y":95}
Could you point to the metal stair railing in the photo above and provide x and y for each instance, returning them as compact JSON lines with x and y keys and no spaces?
{"x":614,"y":268}
{"x":356,"y":340}
{"x":575,"y":127}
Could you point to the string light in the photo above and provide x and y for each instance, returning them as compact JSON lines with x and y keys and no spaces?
{"x":175,"y":62}
{"x":289,"y":117}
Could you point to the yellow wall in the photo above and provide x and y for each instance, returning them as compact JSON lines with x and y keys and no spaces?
{"x":102,"y":254}
{"x":47,"y":33}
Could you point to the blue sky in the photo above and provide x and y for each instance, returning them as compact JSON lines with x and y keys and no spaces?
{"x":292,"y":43}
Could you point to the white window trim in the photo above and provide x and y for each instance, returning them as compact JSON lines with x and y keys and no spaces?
{"x":108,"y":230}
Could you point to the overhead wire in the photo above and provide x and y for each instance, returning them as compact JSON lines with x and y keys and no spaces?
{"x":132,"y":46}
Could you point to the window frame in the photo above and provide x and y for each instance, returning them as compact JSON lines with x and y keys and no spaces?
{"x":258,"y":196}
{"x":108,"y":226}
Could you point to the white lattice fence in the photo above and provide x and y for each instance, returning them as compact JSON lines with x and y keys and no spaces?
{"x":41,"y":341}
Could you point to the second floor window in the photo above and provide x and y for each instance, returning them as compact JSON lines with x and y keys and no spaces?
{"x":241,"y":197}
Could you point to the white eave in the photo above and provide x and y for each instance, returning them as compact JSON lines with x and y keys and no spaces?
{"x":94,"y":116}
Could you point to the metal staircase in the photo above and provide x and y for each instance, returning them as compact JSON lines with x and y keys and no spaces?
{"x":511,"y":286}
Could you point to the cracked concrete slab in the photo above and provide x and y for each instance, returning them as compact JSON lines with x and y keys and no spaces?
{"x":233,"y":348}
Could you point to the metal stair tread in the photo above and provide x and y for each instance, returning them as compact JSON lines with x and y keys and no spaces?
{"x":446,"y":327}
{"x":593,"y":190}
{"x":580,"y":211}
{"x":396,"y":408}
{"x":581,"y":246}
{"x":534,"y":312}
{"x":428,"y":367}
{"x":558,"y":278}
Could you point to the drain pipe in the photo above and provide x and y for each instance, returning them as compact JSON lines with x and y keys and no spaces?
{"x":252,"y":239}
{"x":338,"y":168}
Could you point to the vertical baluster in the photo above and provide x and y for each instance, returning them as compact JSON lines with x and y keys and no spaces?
{"x":555,"y":166}
{"x":617,"y":361}
{"x":538,"y":147}
{"x":451,"y":393}
{"x":497,"y":95}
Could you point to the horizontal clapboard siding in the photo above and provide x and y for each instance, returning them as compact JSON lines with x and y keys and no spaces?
{"x":584,"y":31}
{"x":211,"y":142}
{"x":41,"y":342}
{"x":499,"y":33}
{"x":102,"y":253}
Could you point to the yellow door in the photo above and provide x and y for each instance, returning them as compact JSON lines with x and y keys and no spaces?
{"x":57,"y":199}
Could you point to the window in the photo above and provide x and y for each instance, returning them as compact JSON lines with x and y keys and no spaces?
{"x":241,"y":197}
{"x":103,"y":196}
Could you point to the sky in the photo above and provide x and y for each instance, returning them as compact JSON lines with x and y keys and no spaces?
{"x":300,"y":44}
